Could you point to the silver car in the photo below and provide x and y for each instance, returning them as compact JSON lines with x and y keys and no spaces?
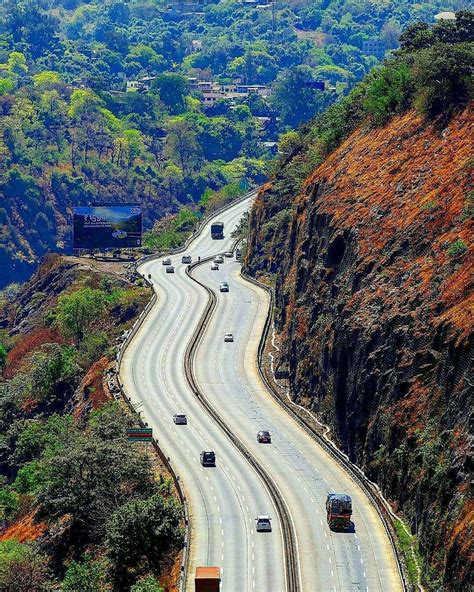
{"x":214,"y":267}
{"x":166,"y":261}
{"x":170,"y":269}
{"x":224,"y":287}
{"x":228,"y":337}
{"x":218,"y":259}
{"x":263,"y":523}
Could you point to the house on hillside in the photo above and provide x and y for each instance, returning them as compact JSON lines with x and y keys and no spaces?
{"x":375,"y":47}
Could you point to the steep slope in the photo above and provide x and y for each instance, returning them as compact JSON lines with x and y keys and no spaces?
{"x":372,"y":263}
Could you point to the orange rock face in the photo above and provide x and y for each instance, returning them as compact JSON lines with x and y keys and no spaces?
{"x":373,"y":269}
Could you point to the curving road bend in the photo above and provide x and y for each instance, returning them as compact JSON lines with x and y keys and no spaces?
{"x":304,"y":472}
{"x":223,"y":501}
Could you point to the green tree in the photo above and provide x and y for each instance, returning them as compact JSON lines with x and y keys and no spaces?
{"x":389,"y":93}
{"x":172,"y":90}
{"x":89,"y":479}
{"x":444,"y":78}
{"x":147,"y":584}
{"x":22,"y":568}
{"x":3,"y":357}
{"x":181,"y":144}
{"x":294,"y":99}
{"x":141,"y":534}
{"x":76,"y":312}
{"x":87,"y":576}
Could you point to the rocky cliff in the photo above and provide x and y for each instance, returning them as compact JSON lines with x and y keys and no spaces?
{"x":372,"y":262}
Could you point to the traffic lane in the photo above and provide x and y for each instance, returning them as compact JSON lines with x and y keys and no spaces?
{"x":377,"y":560}
{"x":202,"y":246}
{"x":224,"y":387}
{"x":216,"y":490}
{"x":252,"y":493}
{"x":374,"y":551}
{"x":259,"y":564}
{"x":346,"y":548}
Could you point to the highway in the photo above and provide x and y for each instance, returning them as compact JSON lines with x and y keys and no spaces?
{"x":224,"y":500}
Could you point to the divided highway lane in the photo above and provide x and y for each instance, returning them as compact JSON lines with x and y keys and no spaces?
{"x":303,"y":471}
{"x":223,"y":501}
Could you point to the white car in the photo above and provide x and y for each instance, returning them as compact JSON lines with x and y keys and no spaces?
{"x":228,"y":254}
{"x":263,"y":524}
{"x":170,"y":269}
{"x":224,"y":287}
{"x":166,"y":261}
{"x":119,"y":234}
{"x":218,"y":259}
{"x":228,"y":337}
{"x":214,"y":267}
{"x":186,"y":259}
{"x":180,"y":419}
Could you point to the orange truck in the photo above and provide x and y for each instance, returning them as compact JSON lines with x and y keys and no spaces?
{"x":339,"y":510}
{"x":207,"y":579}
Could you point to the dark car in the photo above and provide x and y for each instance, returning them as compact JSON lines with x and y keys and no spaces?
{"x":208,"y":458}
{"x":264,"y":437}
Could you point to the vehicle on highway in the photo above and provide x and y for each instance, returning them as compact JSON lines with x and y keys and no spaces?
{"x":207,"y":579}
{"x":238,"y":254}
{"x":263,"y":523}
{"x":218,"y":259}
{"x":228,"y":337}
{"x":339,"y":510}
{"x":186,"y":259}
{"x":180,"y":419}
{"x":217,"y":230}
{"x":228,"y":254}
{"x":224,"y":287}
{"x":264,"y":437}
{"x":166,"y":261}
{"x":208,"y":458}
{"x":214,"y":267}
{"x":170,"y":269}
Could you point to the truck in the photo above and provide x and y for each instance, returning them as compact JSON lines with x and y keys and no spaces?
{"x":339,"y":510}
{"x":207,"y":579}
{"x":217,"y":230}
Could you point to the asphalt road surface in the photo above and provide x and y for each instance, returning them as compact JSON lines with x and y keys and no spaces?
{"x":225,"y":500}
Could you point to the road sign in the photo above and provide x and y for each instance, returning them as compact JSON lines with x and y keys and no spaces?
{"x":140,"y":434}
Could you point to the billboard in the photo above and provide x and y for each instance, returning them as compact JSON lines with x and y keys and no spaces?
{"x":107,"y":226}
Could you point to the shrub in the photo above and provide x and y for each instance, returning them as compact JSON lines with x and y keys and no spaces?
{"x":148,"y":584}
{"x":140,"y":534}
{"x":9,"y":504}
{"x":76,"y":312}
{"x":86,"y":576}
{"x":21,"y":568}
{"x":389,"y":92}
{"x":457,"y":248}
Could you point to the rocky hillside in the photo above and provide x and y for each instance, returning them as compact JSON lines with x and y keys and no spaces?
{"x":371,"y":256}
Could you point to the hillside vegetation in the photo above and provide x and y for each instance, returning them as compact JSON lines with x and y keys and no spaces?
{"x":81,"y":508}
{"x":70,"y":135}
{"x":365,"y":231}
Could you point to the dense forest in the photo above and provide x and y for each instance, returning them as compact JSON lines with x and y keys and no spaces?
{"x":365,"y":232}
{"x":70,"y":134}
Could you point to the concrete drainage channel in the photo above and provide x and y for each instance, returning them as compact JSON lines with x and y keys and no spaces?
{"x":370,"y":489}
{"x":293,"y":583}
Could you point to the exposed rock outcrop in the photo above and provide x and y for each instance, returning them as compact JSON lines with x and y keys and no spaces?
{"x":373,"y":270}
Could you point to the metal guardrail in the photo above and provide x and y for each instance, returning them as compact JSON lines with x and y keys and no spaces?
{"x":293,"y":583}
{"x":370,"y":489}
{"x":136,"y":326}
